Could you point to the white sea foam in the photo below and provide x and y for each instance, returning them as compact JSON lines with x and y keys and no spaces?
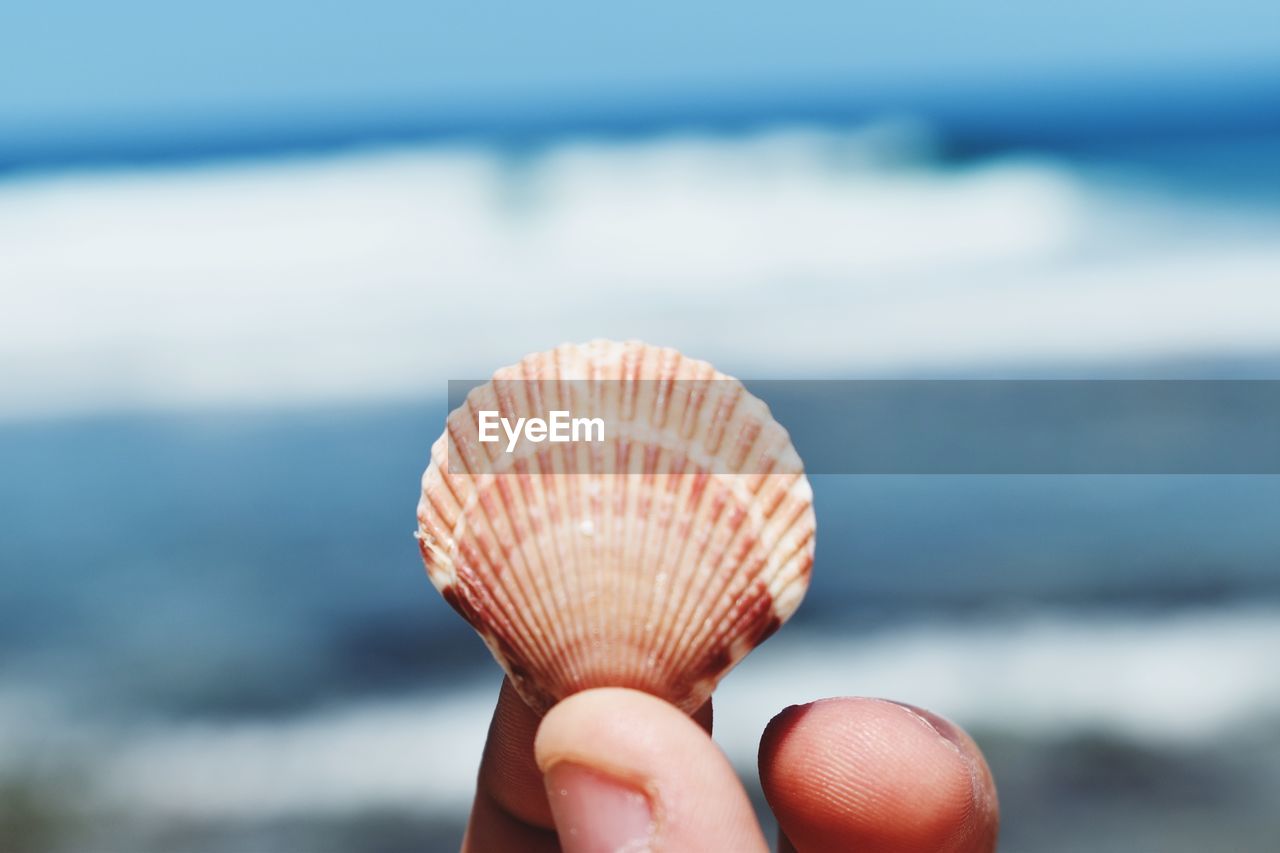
{"x":1171,"y":679}
{"x":787,"y":253}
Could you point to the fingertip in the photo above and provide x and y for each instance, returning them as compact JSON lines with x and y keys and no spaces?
{"x":591,"y":726}
{"x":986,"y":802}
{"x":876,"y":775}
{"x":615,"y":745}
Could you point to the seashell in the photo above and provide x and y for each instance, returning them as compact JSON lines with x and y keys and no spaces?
{"x":655,"y":559}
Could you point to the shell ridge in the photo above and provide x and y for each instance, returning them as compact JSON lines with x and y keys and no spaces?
{"x":633,"y":529}
{"x":520,"y":631}
{"x":621,"y":515}
{"x":657,"y":483}
{"x":671,"y":364}
{"x":647,"y":402}
{"x":663,"y":567}
{"x":531,"y":621}
{"x":692,"y":586}
{"x":719,"y":580}
{"x":528,"y":377}
{"x":750,"y":539}
{"x":795,"y":566}
{"x":677,"y":569}
{"x":541,"y":562}
{"x":519,"y":578}
{"x":448,"y":534}
{"x":562,"y":586}
{"x":710,"y":501}
{"x":593,"y":631}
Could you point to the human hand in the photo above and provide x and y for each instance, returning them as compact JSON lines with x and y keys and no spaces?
{"x":618,"y":770}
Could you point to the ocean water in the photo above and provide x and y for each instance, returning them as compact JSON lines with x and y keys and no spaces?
{"x":222,"y":381}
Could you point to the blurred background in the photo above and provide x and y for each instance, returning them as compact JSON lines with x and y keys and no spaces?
{"x":244,"y":245}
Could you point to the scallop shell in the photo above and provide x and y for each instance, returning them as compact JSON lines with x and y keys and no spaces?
{"x":655,"y":560}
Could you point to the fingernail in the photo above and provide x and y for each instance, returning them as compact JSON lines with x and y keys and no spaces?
{"x":595,"y":813}
{"x":979,"y":775}
{"x":943,"y":727}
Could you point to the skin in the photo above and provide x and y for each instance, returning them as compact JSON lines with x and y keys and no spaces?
{"x":616,"y":769}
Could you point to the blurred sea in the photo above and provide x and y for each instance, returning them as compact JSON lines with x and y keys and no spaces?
{"x":222,"y":381}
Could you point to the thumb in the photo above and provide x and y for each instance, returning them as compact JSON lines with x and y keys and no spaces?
{"x":626,"y":771}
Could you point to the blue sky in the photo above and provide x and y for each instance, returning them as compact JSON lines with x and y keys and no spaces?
{"x":79,"y":68}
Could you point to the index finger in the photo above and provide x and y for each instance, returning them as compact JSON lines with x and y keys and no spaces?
{"x":510,"y":811}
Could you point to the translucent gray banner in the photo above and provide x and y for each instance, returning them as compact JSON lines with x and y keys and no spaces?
{"x":880,"y":426}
